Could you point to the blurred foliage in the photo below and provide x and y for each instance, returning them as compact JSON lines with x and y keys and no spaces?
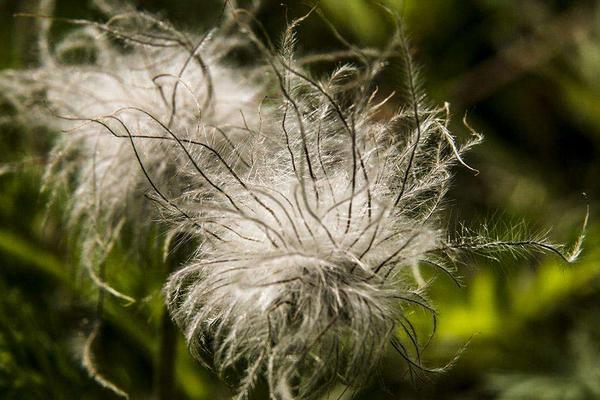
{"x":527,"y":73}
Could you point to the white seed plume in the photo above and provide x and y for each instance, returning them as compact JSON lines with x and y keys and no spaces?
{"x":311,"y":257}
{"x":140,"y":77}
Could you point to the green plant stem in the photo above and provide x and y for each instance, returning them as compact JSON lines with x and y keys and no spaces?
{"x":164,"y":378}
{"x":165,"y":368}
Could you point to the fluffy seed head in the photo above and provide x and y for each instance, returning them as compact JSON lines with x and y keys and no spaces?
{"x":117,"y":90}
{"x":310,"y":255}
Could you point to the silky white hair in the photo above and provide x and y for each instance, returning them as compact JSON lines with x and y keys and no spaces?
{"x":311,"y":258}
{"x":137,"y":75}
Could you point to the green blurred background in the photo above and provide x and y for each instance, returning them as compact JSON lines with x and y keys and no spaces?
{"x":527,"y":74}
